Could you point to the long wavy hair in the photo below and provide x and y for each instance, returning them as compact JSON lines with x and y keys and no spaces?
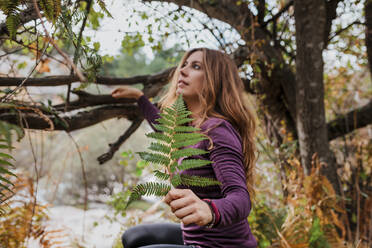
{"x":222,"y":97}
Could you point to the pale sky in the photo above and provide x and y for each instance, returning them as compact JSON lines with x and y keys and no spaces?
{"x":112,"y":31}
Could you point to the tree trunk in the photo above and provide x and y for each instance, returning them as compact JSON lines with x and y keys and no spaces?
{"x":310,"y":113}
{"x":368,"y":13}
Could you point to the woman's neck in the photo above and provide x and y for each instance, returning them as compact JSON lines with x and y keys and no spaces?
{"x":196,"y":110}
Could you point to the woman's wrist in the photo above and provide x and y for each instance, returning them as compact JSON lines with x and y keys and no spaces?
{"x":139,"y":95}
{"x":214,"y":212}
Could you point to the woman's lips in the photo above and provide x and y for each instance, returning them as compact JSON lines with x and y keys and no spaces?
{"x":182,"y":83}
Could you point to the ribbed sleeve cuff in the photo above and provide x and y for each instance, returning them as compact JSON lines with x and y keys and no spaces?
{"x":141,"y":99}
{"x":215,"y":211}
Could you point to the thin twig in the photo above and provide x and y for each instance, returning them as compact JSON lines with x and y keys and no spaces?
{"x":275,"y":17}
{"x":345,"y":28}
{"x":68,"y":60}
{"x":37,"y":182}
{"x":7,"y":96}
{"x":84,"y":180}
{"x":115,"y":146}
{"x":77,"y":50}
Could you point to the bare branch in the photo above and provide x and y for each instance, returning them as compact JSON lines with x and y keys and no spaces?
{"x":338,"y":32}
{"x":161,"y":78}
{"x":115,"y":146}
{"x":353,"y":120}
{"x":75,"y":121}
{"x":277,"y":15}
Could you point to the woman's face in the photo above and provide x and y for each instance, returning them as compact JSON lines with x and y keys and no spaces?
{"x":191,"y":77}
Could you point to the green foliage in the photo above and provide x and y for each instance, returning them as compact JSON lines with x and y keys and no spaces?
{"x":167,"y":151}
{"x":317,"y":237}
{"x":11,"y":9}
{"x":136,"y":62}
{"x":5,"y":159}
{"x":51,"y":8}
{"x":265,"y":222}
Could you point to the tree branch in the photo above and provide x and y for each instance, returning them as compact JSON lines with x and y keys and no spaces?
{"x":277,"y":15}
{"x":355,"y":119}
{"x":331,"y":14}
{"x":157,"y":78}
{"x":110,"y":108}
{"x":115,"y":146}
{"x":75,"y":121}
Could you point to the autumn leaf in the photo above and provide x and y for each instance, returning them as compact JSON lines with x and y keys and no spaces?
{"x":43,"y":66}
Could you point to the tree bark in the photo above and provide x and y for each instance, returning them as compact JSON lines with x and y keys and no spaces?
{"x":71,"y":122}
{"x":368,"y":13}
{"x":310,"y":112}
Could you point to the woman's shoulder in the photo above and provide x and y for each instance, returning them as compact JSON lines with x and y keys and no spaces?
{"x":221,"y":133}
{"x":218,"y":126}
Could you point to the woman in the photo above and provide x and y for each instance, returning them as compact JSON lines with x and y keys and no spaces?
{"x":214,"y":216}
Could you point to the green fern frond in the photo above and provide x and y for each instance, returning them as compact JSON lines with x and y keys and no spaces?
{"x":12,"y":23}
{"x":198,"y":181}
{"x":183,"y":121}
{"x":168,"y":117}
{"x":187,"y":152}
{"x":159,"y":136}
{"x":192,"y":163}
{"x":57,"y":8}
{"x":5,"y":162}
{"x":163,"y":128}
{"x":165,"y":122}
{"x":172,"y":142}
{"x":6,"y":144}
{"x":4,"y":155}
{"x":185,"y":129}
{"x":176,"y":180}
{"x":160,"y":148}
{"x":6,"y":171}
{"x":51,"y":8}
{"x":149,"y":188}
{"x":161,"y":175}
{"x":5,"y":130}
{"x":47,"y":8}
{"x":154,"y":158}
{"x":185,"y":136}
{"x":188,"y":142}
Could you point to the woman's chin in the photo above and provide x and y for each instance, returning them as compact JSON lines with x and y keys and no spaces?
{"x":179,"y":91}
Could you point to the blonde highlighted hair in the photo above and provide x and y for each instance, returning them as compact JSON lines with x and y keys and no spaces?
{"x":222,"y":97}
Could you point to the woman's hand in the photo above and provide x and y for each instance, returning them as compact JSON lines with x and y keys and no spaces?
{"x":127,"y":92}
{"x":188,"y":207}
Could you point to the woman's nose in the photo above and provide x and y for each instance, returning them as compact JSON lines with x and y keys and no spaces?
{"x":183,"y":71}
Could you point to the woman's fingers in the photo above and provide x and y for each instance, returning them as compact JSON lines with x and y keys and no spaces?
{"x":174,"y":194}
{"x":188,"y":207}
{"x":185,"y":211}
{"x":192,"y":219}
{"x":126,"y":92}
{"x":180,"y":203}
{"x":119,"y":92}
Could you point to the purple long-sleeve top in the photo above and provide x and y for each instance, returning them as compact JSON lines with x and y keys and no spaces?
{"x":231,"y":197}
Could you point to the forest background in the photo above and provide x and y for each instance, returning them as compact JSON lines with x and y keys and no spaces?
{"x":306,"y":70}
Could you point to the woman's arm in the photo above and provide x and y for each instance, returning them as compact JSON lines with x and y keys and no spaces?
{"x":149,"y":110}
{"x":229,"y":169}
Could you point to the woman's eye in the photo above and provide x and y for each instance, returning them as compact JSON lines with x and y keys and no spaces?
{"x":197,"y":66}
